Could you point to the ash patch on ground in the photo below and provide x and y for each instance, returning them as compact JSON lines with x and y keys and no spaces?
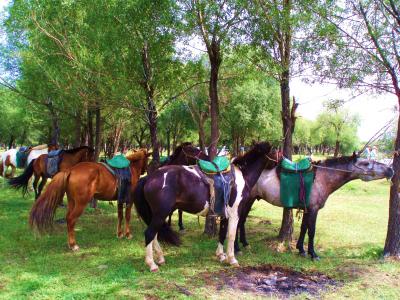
{"x":270,"y":280}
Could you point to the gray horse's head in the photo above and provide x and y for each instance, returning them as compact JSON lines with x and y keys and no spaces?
{"x":368,"y":170}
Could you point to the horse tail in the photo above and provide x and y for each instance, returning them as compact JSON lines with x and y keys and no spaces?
{"x":43,"y":210}
{"x":22,"y":180}
{"x":165,"y":234}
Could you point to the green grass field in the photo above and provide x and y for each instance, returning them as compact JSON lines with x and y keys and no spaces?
{"x":350,"y":236}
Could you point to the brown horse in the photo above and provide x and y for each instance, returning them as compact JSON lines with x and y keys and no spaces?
{"x":330,"y":175}
{"x":37,"y":167}
{"x":82,"y":182}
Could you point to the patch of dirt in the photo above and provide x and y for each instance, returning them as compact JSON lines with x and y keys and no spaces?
{"x":269,"y":280}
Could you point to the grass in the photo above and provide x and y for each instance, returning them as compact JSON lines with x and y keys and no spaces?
{"x":350,"y":237}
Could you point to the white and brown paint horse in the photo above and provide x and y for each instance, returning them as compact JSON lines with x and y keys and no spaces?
{"x":330,"y":175}
{"x":183,"y":187}
{"x":8,"y":159}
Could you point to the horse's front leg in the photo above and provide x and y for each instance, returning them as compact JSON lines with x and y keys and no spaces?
{"x":180,"y":222}
{"x":120,"y":217}
{"x":312,"y":220}
{"x":35,"y":184}
{"x":41,"y":186}
{"x":232,"y":227}
{"x":223,"y":228}
{"x":303,"y":231}
{"x":128,"y":209}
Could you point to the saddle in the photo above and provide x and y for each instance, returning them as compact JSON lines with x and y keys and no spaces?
{"x":54,"y":159}
{"x":119,"y":168}
{"x":220,"y":177}
{"x":296,"y":180}
{"x":22,"y":156}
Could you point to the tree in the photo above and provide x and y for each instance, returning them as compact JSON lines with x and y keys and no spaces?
{"x":364,"y":53}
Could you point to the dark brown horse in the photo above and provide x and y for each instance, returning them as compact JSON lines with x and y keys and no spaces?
{"x":82,"y":182}
{"x":330,"y":175}
{"x":184,"y":155}
{"x":183,"y":187}
{"x":37,"y":167}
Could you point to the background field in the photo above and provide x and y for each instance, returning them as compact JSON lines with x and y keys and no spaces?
{"x":350,"y":236}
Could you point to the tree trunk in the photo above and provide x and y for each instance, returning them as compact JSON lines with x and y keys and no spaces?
{"x":202,"y":135}
{"x":168,"y":142}
{"x":151,"y":106}
{"x":78,"y":130}
{"x":11,"y":142}
{"x":392,"y":243}
{"x":337,"y":148}
{"x":90,"y":128}
{"x":215,"y":62}
{"x":288,"y":121}
{"x":98,"y":130}
{"x":55,"y":133}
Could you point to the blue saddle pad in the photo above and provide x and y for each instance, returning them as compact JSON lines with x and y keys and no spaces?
{"x":123,"y":184}
{"x":53,"y":162}
{"x":54,"y":153}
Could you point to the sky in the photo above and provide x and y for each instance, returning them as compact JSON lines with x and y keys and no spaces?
{"x":374,"y":110}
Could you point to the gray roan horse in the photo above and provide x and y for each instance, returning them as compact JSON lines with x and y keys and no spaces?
{"x":183,"y":187}
{"x":330,"y":175}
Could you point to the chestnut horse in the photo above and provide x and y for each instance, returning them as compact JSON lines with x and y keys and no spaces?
{"x":37,"y":167}
{"x":330,"y":175}
{"x":82,"y":183}
{"x":183,"y":187}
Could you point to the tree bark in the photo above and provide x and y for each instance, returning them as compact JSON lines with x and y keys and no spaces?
{"x":11,"y":142}
{"x":98,"y":129}
{"x":337,"y":148}
{"x":202,"y":135}
{"x":392,"y":243}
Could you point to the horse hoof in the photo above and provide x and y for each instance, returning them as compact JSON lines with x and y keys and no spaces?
{"x":239,"y":253}
{"x":154,"y":270}
{"x":120,"y":235}
{"x":74,"y":248}
{"x":161,"y":262}
{"x":302,"y":254}
{"x":235,"y":265}
{"x":247,"y":247}
{"x":221,"y":257}
{"x":129,"y":236}
{"x":315,"y":258}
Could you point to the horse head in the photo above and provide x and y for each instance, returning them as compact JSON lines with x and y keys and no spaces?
{"x":139,"y":155}
{"x":368,"y":170}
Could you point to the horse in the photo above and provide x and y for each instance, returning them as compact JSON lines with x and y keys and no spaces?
{"x":184,"y":187}
{"x":8,"y":159}
{"x":330,"y":175}
{"x":38,"y":168}
{"x":185,"y":155}
{"x":82,"y":183}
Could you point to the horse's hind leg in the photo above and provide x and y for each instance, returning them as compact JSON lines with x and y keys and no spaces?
{"x":159,"y":252}
{"x":312,"y":219}
{"x":180,"y":222}
{"x":303,"y":231}
{"x":223,"y":228}
{"x":120,"y":217}
{"x":41,"y":186}
{"x":150,"y":235}
{"x":128,"y":210}
{"x":34,"y":184}
{"x":74,"y":211}
{"x":232,"y":227}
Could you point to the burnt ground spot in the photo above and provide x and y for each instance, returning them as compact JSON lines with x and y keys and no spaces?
{"x":269,"y":280}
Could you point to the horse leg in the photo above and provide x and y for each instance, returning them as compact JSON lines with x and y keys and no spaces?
{"x":41,"y":186}
{"x":159,"y":252}
{"x":312,"y":219}
{"x":180,"y":222}
{"x":150,"y":235}
{"x":232,"y":227}
{"x":120,"y":217}
{"x":35,"y":183}
{"x":128,"y":209}
{"x":12,"y":171}
{"x":303,"y":231}
{"x":223,"y":228}
{"x":242,"y":223}
{"x":74,"y":211}
{"x":169,"y":219}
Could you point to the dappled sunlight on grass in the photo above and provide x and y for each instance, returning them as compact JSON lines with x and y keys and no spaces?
{"x":350,"y":236}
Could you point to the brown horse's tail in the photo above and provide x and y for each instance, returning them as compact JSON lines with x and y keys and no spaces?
{"x":43,"y":210}
{"x":1,"y":168}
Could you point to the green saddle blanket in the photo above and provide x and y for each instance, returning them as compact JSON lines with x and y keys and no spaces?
{"x":118,"y":162}
{"x":296,"y":181}
{"x":221,"y":162}
{"x":163,"y":159}
{"x":302,"y":165}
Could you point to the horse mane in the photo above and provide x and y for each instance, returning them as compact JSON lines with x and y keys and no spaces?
{"x":74,"y":150}
{"x":178,"y":150}
{"x":139,"y":154}
{"x":333,"y":161}
{"x":253,"y":154}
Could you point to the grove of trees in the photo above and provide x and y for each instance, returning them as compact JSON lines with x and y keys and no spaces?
{"x":136,"y":73}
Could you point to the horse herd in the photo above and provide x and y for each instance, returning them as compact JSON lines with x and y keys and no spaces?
{"x":179,"y":184}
